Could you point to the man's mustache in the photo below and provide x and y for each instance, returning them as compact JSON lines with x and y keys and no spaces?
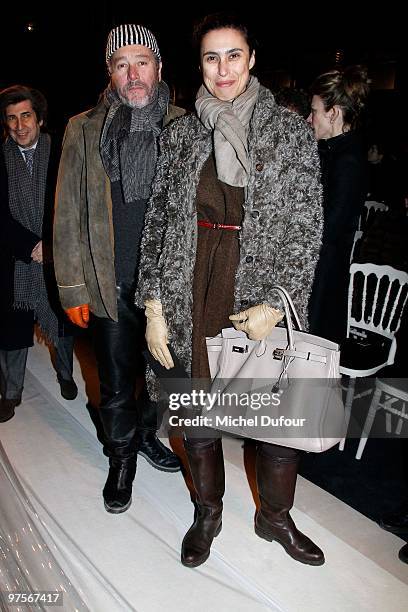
{"x":136,"y":83}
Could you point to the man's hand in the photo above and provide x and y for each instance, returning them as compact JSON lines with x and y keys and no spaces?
{"x":78,"y":315}
{"x":258,"y":321}
{"x":156,"y":334}
{"x":37,"y":253}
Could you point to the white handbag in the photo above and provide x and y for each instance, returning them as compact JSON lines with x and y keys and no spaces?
{"x":297,"y":371}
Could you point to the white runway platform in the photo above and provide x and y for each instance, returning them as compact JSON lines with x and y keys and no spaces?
{"x":54,"y":529}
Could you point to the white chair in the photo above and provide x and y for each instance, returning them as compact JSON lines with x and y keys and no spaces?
{"x":370,"y":209}
{"x":376,"y":300}
{"x":395,"y":391}
{"x":357,"y":237}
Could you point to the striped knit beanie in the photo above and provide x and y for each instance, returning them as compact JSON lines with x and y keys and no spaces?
{"x":131,"y":34}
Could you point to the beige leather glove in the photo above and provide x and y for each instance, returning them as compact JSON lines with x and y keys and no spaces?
{"x":258,"y":321}
{"x":156,"y":334}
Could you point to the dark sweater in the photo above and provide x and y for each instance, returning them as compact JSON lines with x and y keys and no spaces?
{"x":128,"y":221}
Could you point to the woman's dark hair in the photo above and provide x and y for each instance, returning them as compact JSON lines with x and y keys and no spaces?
{"x":20,"y":93}
{"x":347,"y":88}
{"x":217,"y":21}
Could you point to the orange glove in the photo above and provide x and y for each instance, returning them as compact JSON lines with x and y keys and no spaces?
{"x":79,"y":315}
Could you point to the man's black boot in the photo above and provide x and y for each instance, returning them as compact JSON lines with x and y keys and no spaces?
{"x":156,"y":453}
{"x":117,"y":492}
{"x":403,"y":554}
{"x":397,"y":521}
{"x":7,"y":407}
{"x":69,"y":389}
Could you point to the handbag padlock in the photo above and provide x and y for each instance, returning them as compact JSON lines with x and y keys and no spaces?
{"x":240,"y":349}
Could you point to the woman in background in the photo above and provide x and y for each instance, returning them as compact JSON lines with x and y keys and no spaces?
{"x":338,"y":100}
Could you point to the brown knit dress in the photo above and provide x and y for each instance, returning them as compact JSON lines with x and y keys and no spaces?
{"x":216,"y":262}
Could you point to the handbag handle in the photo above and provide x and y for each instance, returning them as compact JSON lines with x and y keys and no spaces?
{"x":290,"y":311}
{"x":291,"y":306}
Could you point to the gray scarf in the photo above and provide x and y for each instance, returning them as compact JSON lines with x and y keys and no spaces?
{"x":26,"y":203}
{"x":128,"y":142}
{"x":230,"y":124}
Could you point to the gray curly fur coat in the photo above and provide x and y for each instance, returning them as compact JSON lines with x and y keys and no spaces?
{"x":282,"y":227}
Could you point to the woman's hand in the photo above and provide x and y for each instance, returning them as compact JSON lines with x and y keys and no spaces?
{"x":156,"y":334}
{"x":258,"y":321}
{"x":37,"y":253}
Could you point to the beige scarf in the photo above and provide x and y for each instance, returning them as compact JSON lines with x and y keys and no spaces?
{"x":230,"y":123}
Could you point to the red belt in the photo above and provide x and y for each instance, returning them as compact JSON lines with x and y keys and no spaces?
{"x":218,"y":225}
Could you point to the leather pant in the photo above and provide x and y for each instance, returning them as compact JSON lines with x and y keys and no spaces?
{"x":118,"y":348}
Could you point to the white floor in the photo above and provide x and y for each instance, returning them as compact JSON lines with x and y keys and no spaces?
{"x":131,"y":561}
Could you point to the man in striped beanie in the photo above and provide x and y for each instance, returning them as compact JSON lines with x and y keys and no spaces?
{"x":106,"y":171}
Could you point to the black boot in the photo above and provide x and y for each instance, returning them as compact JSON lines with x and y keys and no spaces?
{"x":207,"y":471}
{"x":7,"y":407}
{"x":397,"y":521}
{"x":156,"y":453}
{"x":69,"y":389}
{"x":276,"y":479}
{"x":117,"y":492}
{"x":403,"y":554}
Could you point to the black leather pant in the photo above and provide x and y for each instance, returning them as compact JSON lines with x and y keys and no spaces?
{"x":118,"y":349}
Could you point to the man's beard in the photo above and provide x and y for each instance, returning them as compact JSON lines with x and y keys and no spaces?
{"x":150,"y":94}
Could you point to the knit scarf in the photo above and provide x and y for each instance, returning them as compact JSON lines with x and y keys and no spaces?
{"x":26,"y":203}
{"x":129,"y":142}
{"x":230,"y":124}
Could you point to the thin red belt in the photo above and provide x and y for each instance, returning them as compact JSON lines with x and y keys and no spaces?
{"x":218,"y":225}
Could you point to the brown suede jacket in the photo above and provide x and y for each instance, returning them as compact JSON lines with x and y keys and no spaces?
{"x":83,"y":230}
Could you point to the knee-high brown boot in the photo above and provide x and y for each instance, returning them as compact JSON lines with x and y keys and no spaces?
{"x":207,"y":471}
{"x":276,"y":479}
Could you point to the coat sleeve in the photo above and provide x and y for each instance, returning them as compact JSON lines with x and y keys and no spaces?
{"x":67,"y":245}
{"x":302,"y":225}
{"x":15,"y":240}
{"x":149,"y":280}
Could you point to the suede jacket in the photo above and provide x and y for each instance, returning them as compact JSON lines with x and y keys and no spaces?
{"x":83,"y":229}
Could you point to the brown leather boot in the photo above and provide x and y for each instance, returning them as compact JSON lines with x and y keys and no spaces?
{"x":276,"y":479}
{"x":207,"y":470}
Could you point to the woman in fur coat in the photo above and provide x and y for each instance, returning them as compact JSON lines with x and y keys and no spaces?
{"x":236,"y":209}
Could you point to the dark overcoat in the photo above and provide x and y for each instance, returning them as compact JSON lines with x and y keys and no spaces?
{"x":344,"y":177}
{"x":17,"y":243}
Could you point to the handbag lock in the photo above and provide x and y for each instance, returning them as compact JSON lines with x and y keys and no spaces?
{"x":240,"y":349}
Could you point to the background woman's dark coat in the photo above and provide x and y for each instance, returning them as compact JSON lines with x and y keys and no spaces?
{"x":344,"y":177}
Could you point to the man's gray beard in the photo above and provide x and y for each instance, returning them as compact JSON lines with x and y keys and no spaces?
{"x":149,"y":97}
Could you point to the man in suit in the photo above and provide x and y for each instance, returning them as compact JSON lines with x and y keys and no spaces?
{"x":29,"y":294}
